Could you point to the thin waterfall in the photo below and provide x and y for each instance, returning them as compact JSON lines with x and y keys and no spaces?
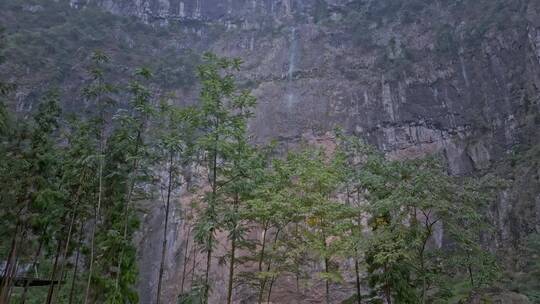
{"x":198,"y":9}
{"x":293,"y":54}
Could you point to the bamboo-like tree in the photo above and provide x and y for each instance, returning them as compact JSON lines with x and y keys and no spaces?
{"x":323,"y":219}
{"x":80,"y":182}
{"x":98,"y":94}
{"x":268,"y":208}
{"x":125,"y":169}
{"x":223,"y":114}
{"x":242,"y":175}
{"x":175,"y":150}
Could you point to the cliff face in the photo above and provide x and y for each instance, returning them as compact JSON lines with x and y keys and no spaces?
{"x":458,"y":76}
{"x":461,"y":78}
{"x":233,"y":11}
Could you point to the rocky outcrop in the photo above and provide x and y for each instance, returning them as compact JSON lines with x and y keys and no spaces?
{"x":412,"y":78}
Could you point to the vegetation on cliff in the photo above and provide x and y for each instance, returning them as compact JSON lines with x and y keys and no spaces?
{"x":70,"y":186}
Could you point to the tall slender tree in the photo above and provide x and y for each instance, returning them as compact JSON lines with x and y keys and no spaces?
{"x":80,"y":182}
{"x":98,"y":93}
{"x":219,"y":125}
{"x":125,"y":170}
{"x":175,"y":148}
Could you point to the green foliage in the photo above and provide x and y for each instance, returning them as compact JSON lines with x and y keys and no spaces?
{"x":124,"y":170}
{"x":46,"y":201}
{"x":408,"y":201}
{"x":532,"y":279}
{"x":195,"y":296}
{"x":527,"y":277}
{"x":228,"y":156}
{"x":55,"y":171}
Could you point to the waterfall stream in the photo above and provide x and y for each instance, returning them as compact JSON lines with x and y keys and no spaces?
{"x":293,"y":54}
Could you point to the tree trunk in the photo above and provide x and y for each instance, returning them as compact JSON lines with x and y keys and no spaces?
{"x":66,"y":247}
{"x":422,"y":269}
{"x":327,"y":270}
{"x":261,"y":259}
{"x":211,"y":232}
{"x":10,"y":291}
{"x":184,"y":265}
{"x":428,"y":235}
{"x":186,"y":253}
{"x":131,"y":186}
{"x":356,"y":263}
{"x":327,"y":283}
{"x":96,"y":222}
{"x":164,"y":247}
{"x":357,"y":273}
{"x":10,"y":268}
{"x":34,"y":265}
{"x":270,"y":288}
{"x":79,"y":242}
{"x":469,"y":270}
{"x":194,"y":266}
{"x":388,"y":294}
{"x":207,"y":273}
{"x":233,"y":250}
{"x":231,"y":270}
{"x":387,"y":289}
{"x":53,"y":274}
{"x":269,"y":267}
{"x":15,"y":268}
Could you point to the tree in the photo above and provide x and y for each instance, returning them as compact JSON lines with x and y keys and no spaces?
{"x":98,"y":92}
{"x":266,"y":208}
{"x":175,"y":148}
{"x":36,"y":193}
{"x":324,"y":219}
{"x":80,"y":182}
{"x":223,"y":114}
{"x":297,"y":199}
{"x":355,"y":152}
{"x":409,"y":201}
{"x":125,"y":169}
{"x":242,"y":176}
{"x":529,"y":280}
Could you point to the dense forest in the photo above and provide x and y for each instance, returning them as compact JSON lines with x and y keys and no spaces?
{"x":71,"y":183}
